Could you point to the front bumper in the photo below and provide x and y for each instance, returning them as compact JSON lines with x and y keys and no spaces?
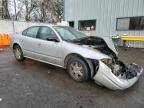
{"x":105,"y":77}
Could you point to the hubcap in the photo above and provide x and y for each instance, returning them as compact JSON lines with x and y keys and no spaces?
{"x":76,"y":69}
{"x":17,"y":53}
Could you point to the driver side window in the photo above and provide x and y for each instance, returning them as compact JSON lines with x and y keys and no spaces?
{"x":45,"y":33}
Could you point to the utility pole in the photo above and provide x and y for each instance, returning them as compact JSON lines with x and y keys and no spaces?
{"x":0,"y":9}
{"x":62,"y":9}
{"x":5,"y":12}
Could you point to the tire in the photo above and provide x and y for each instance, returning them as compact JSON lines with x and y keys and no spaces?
{"x":78,"y":69}
{"x":18,"y":53}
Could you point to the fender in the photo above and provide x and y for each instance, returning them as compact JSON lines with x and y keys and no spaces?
{"x":89,"y":53}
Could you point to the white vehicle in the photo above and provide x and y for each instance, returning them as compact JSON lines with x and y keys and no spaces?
{"x":83,"y":57}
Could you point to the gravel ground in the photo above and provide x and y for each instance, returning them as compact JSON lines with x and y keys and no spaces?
{"x":32,"y":84}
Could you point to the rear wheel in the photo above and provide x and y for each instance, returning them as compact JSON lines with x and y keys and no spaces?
{"x":18,"y":53}
{"x":78,"y":69}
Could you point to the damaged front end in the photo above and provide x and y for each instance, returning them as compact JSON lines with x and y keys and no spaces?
{"x":117,"y":75}
{"x":111,"y":73}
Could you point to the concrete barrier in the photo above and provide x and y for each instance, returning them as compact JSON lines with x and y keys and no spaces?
{"x":4,"y":39}
{"x":133,"y":38}
{"x":127,"y":38}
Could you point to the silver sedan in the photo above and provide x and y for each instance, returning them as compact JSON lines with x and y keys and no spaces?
{"x":84,"y":57}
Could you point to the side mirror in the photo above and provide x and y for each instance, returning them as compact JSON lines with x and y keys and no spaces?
{"x":54,"y":39}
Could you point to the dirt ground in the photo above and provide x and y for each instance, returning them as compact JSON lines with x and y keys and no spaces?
{"x":32,"y":84}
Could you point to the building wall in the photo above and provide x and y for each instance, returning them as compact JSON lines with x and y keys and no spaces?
{"x":105,"y":12}
{"x":14,"y":26}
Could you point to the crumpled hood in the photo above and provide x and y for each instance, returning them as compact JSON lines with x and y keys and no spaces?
{"x":99,"y":45}
{"x":110,"y":43}
{"x":97,"y":40}
{"x":94,"y":52}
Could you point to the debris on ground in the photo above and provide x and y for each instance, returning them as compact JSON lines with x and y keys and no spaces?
{"x":1,"y":50}
{"x":0,"y":99}
{"x":17,"y":74}
{"x":49,"y":71}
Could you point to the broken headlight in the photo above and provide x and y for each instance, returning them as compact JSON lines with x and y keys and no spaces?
{"x":107,"y":61}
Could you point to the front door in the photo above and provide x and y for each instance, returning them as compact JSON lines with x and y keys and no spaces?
{"x":48,"y":45}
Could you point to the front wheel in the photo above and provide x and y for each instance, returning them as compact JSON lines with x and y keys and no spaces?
{"x":78,"y":69}
{"x":18,"y":53}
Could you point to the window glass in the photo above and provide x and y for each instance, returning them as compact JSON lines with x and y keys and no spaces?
{"x":142,"y":23}
{"x":69,"y":33}
{"x":24,"y":32}
{"x":132,"y":23}
{"x":135,"y":23}
{"x":32,"y":32}
{"x":123,"y":24}
{"x":87,"y":25}
{"x":71,"y":24}
{"x":46,"y":32}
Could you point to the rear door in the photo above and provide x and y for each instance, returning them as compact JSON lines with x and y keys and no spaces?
{"x":29,"y":41}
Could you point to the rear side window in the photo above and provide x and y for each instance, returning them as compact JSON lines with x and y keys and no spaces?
{"x":31,"y":32}
{"x":24,"y":32}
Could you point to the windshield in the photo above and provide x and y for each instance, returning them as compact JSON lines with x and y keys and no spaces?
{"x":69,"y":33}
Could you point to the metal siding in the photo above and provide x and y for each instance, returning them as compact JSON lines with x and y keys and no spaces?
{"x":105,"y":12}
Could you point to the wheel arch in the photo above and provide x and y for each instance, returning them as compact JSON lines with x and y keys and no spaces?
{"x":22,"y":58}
{"x":69,"y":56}
{"x":14,"y":44}
{"x":89,"y":62}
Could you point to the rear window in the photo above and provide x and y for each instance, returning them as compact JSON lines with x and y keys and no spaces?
{"x":31,"y":32}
